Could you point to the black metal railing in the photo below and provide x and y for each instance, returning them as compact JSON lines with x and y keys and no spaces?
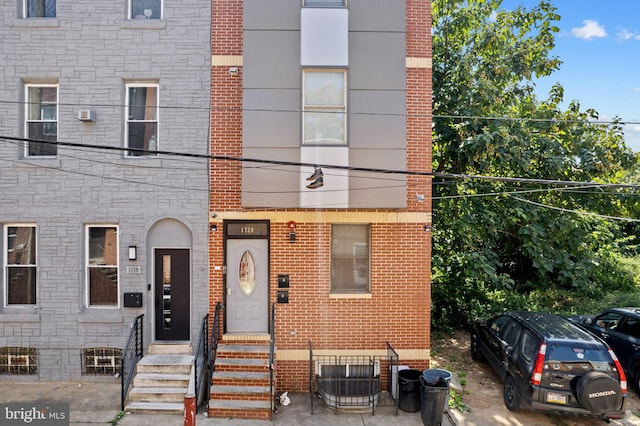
{"x":272,"y":366}
{"x":131,"y":354}
{"x":200,"y":359}
{"x":214,"y":339}
{"x":353,"y":381}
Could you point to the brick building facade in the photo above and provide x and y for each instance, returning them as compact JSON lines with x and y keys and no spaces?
{"x":356,"y":249}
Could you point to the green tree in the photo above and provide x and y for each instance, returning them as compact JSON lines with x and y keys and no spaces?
{"x":497,"y":241}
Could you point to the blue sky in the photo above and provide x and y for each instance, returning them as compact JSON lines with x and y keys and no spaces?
{"x":599,"y":45}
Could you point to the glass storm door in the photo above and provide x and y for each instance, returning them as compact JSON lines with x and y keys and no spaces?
{"x":172,"y":294}
{"x":247,"y":286}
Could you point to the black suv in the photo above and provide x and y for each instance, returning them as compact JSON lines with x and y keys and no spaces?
{"x":549,"y":364}
{"x":620,"y":328}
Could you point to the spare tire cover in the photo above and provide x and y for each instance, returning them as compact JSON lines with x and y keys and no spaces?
{"x":598,"y":392}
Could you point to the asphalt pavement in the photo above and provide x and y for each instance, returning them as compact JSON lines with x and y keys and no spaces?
{"x":92,"y":403}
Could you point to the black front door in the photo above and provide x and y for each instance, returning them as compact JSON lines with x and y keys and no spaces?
{"x":172,"y":294}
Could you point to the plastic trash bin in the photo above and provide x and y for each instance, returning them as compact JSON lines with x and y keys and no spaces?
{"x":409,"y":390}
{"x":434,"y":396}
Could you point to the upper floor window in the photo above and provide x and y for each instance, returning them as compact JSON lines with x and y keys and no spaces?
{"x":102,"y":265}
{"x":40,"y":8}
{"x":324,"y":3}
{"x":324,"y":107}
{"x":350,"y":249}
{"x":145,"y":9}
{"x":20,"y":264}
{"x":42,"y":119}
{"x":141,"y":132}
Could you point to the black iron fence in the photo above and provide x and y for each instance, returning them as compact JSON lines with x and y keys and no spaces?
{"x":354,"y":381}
{"x":131,"y":354}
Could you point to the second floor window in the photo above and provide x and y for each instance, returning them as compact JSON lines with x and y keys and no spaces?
{"x":324,"y":107}
{"x":42,"y":119}
{"x":40,"y":8}
{"x":142,"y":119}
{"x":20,"y":267}
{"x":145,"y":9}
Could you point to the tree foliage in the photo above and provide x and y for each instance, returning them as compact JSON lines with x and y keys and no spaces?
{"x":497,"y":241}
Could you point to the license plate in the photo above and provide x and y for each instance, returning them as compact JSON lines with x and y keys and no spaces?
{"x":556,"y":398}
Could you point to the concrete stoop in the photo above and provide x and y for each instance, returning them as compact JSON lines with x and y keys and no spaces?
{"x":241,"y":382}
{"x":161,"y":380}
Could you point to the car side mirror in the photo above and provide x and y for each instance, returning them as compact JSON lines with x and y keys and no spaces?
{"x":508,"y":350}
{"x":588,"y":321}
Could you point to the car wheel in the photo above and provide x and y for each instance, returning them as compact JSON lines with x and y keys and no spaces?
{"x":598,"y":392}
{"x":510,"y":393}
{"x":475,"y":353}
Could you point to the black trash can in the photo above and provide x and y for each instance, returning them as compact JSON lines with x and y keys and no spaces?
{"x":434,"y":396}
{"x":409,"y":390}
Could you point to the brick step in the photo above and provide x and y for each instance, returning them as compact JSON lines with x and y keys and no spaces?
{"x":258,"y":365}
{"x":242,"y":351}
{"x":239,"y":392}
{"x":240,"y":409}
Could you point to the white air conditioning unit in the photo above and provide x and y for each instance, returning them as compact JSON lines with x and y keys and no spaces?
{"x":86,"y":115}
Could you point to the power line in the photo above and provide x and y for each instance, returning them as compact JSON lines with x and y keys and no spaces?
{"x":325,"y":165}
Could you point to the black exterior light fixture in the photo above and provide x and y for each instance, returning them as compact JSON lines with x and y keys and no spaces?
{"x":317,"y":179}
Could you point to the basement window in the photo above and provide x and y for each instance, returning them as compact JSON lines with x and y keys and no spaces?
{"x":18,"y":361}
{"x":101,"y":361}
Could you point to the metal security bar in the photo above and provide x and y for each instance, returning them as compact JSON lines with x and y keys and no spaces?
{"x":353,"y":381}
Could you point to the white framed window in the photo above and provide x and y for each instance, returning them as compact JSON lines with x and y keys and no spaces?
{"x":324,"y":3}
{"x":324,"y":106}
{"x":141,"y":131}
{"x":350,"y":258}
{"x":39,"y":8}
{"x":102,"y":265}
{"x":20,"y":266}
{"x":145,"y":9}
{"x":41,"y":120}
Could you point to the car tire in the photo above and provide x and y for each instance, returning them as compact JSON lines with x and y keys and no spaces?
{"x":475,"y":353}
{"x":599,"y":393}
{"x":510,"y":394}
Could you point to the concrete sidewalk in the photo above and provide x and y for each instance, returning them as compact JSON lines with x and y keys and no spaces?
{"x":92,"y":403}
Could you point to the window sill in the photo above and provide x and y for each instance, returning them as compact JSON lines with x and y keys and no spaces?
{"x":9,"y":316}
{"x":142,"y":161}
{"x":144,"y":24}
{"x":48,"y":162}
{"x":99,"y":315}
{"x":350,"y":296}
{"x":37,"y":23}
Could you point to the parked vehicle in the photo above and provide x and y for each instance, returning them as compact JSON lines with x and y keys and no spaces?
{"x":550,"y":364}
{"x":620,"y":328}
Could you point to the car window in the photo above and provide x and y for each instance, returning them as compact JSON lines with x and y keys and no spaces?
{"x":528,"y":347}
{"x":498,"y":322}
{"x":577,"y":357}
{"x":631,"y":327}
{"x":510,"y":333}
{"x":608,"y":320}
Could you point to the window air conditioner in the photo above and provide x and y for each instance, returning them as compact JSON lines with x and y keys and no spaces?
{"x":86,"y":115}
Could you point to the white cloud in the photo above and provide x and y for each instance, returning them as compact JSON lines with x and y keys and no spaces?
{"x":624,"y":35}
{"x":589,"y":30}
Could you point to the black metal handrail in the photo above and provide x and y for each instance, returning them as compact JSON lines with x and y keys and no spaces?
{"x":131,"y":354}
{"x":272,"y":367}
{"x":311,"y":394}
{"x":214,"y":339}
{"x":200,"y":357}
